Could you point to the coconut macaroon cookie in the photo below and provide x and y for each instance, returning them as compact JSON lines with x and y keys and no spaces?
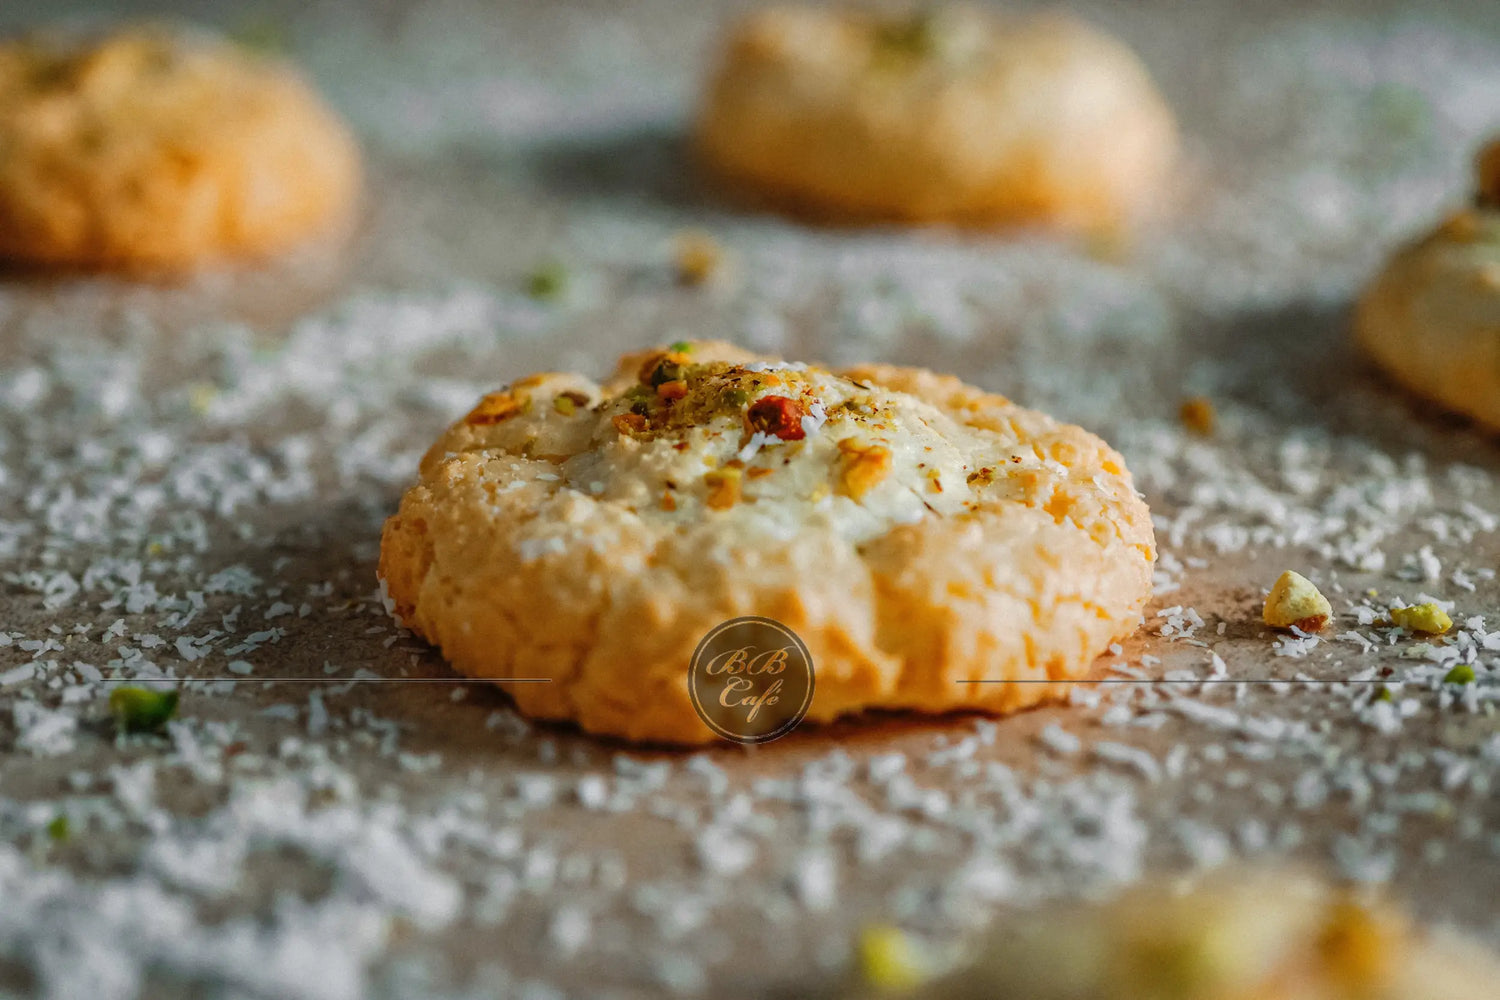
{"x":954,"y":115}
{"x":1431,"y":318}
{"x":1239,"y":935}
{"x":160,"y":149}
{"x":914,"y":532}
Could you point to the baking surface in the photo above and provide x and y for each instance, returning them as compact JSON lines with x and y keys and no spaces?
{"x":193,"y":478}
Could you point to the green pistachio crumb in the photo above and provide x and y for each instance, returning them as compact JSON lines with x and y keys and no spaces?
{"x":1427,"y":618}
{"x":1385,"y":694}
{"x":57,"y":830}
{"x":260,"y":35}
{"x":547,"y":282}
{"x":1463,"y":673}
{"x":889,"y":959}
{"x":681,"y":347}
{"x":666,"y":370}
{"x":912,"y":36}
{"x":564,"y":405}
{"x":138,"y":710}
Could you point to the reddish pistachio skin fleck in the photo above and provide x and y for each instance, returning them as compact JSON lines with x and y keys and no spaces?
{"x":629,"y":423}
{"x":778,"y":416}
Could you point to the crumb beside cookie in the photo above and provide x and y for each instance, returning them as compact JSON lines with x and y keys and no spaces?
{"x":1198,"y":415}
{"x":698,"y":258}
{"x":162,"y":149}
{"x":1294,"y":602}
{"x":929,"y":542}
{"x":1427,"y":618}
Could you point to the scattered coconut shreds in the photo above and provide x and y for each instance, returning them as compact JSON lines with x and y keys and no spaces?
{"x":193,"y":480}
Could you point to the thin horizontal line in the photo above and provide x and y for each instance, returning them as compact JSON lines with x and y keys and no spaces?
{"x":1164,"y":680}
{"x":237,"y":679}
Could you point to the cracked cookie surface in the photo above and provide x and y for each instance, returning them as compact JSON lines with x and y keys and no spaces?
{"x":915,"y":532}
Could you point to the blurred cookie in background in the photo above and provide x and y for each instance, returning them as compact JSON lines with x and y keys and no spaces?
{"x":1239,"y":935}
{"x":160,"y":149}
{"x":951,"y":115}
{"x":1431,"y":318}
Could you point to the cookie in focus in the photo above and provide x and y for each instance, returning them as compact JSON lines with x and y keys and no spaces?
{"x":918,"y":534}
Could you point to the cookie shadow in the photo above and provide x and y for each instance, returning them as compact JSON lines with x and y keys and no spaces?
{"x":268,"y":292}
{"x":1300,"y":366}
{"x":652,"y":166}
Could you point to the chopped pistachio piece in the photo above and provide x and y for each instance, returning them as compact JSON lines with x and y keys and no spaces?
{"x":1487,"y":175}
{"x":138,"y":710}
{"x":663,"y":369}
{"x":548,"y":281}
{"x":863,"y":466}
{"x":1197,"y":415}
{"x":681,"y":347}
{"x":57,"y":830}
{"x":915,"y":35}
{"x":495,"y":408}
{"x":1426,"y":618}
{"x":723,"y":488}
{"x":698,"y":258}
{"x":1295,"y":602}
{"x":260,"y":35}
{"x":888,"y":959}
{"x":1357,"y":941}
{"x":1463,"y":673}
